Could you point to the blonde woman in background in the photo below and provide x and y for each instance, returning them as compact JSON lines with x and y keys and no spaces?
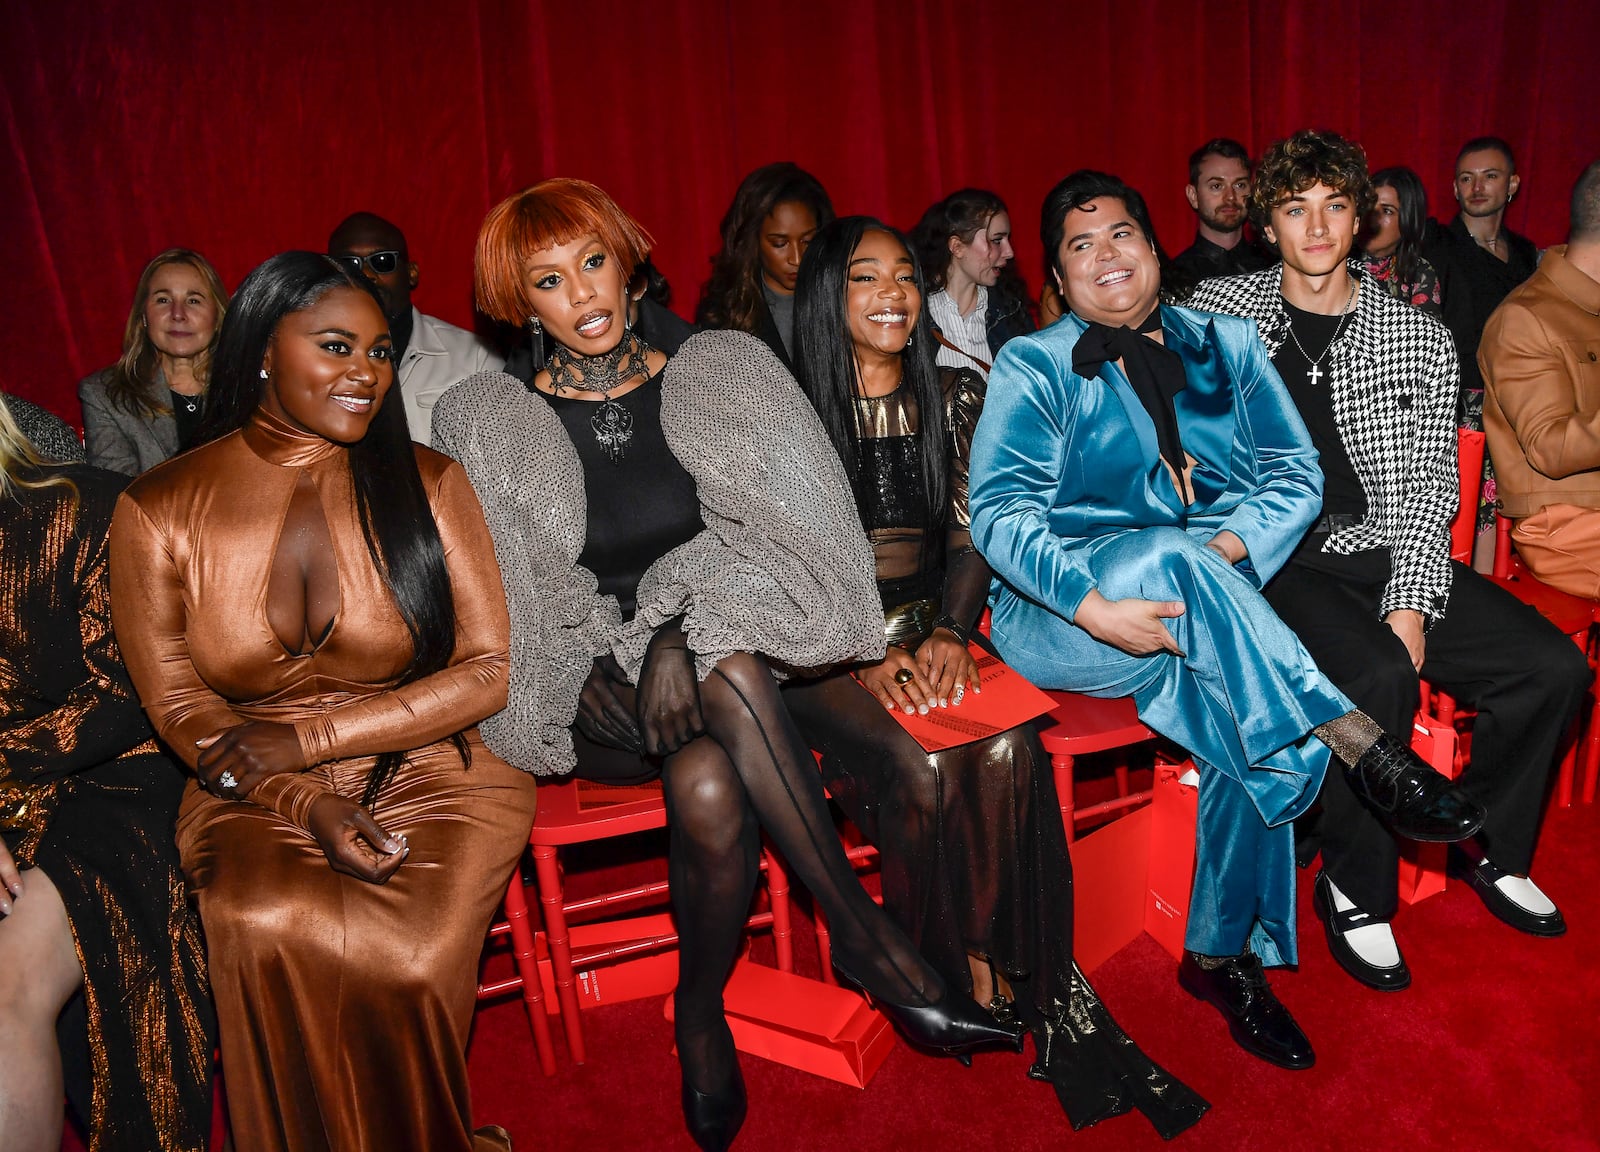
{"x":147,"y":406}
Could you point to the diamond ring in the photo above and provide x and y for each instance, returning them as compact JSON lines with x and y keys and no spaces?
{"x":226,"y":781}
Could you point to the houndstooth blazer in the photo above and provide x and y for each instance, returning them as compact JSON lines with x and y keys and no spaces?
{"x":1394,"y":377}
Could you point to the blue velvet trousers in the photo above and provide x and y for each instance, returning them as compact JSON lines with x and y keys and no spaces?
{"x":1242,"y":700}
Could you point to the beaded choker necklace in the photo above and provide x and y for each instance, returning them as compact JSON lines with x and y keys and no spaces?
{"x":612,"y":423}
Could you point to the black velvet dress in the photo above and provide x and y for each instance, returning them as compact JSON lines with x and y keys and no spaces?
{"x":86,"y":795}
{"x":973,"y":852}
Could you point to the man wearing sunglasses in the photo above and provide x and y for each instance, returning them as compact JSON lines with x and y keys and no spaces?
{"x":430,"y":354}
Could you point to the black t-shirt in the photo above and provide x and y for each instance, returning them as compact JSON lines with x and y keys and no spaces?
{"x":1341,"y":488}
{"x":642,"y":505}
{"x":186,"y":411}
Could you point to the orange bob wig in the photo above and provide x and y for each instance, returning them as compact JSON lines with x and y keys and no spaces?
{"x":547,"y":215}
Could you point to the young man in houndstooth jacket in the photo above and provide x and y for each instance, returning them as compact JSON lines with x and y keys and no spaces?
{"x":1371,"y":591}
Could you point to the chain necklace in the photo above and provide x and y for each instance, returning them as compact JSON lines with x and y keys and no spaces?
{"x":612,"y":423}
{"x":191,"y":404}
{"x":1316,"y":374}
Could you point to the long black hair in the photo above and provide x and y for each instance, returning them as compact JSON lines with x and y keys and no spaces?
{"x":1413,"y":218}
{"x":829,"y":370}
{"x":391,"y":503}
{"x":732,"y":297}
{"x":961,"y":214}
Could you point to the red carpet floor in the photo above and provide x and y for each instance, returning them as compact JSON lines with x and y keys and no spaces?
{"x":1493,"y":1047}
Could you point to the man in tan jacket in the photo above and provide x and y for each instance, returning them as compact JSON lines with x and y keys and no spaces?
{"x":1540,"y":357}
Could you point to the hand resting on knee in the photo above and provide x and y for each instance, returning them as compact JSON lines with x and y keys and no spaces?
{"x":1133,"y":626}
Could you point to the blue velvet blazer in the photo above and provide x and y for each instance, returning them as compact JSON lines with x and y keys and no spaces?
{"x":1060,"y":460}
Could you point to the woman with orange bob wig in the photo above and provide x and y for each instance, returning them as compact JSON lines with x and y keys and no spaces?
{"x":674,"y":540}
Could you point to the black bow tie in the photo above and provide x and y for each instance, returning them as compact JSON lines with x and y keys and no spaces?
{"x":1154,"y":371}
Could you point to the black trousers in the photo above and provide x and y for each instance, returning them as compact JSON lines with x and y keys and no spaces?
{"x":1490,"y":651}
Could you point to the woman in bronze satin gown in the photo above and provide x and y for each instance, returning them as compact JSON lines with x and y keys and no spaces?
{"x":91,"y":898}
{"x":974,"y":855}
{"x":310,"y":608}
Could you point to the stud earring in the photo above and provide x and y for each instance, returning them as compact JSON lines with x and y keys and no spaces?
{"x":265,"y":373}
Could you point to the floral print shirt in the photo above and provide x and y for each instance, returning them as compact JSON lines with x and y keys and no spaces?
{"x":1423,"y":294}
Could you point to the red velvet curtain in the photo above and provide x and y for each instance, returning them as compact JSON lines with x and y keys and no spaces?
{"x":241,"y":130}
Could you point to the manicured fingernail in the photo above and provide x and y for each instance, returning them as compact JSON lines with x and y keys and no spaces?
{"x":5,"y":908}
{"x":910,"y":710}
{"x":944,"y":703}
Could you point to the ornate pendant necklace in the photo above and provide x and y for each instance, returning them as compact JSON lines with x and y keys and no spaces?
{"x":612,"y":423}
{"x":191,"y":404}
{"x":1316,"y":374}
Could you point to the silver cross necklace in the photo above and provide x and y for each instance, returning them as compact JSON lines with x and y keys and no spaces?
{"x":1316,"y":374}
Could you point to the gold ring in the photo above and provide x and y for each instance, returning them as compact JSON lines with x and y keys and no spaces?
{"x":904,"y":676}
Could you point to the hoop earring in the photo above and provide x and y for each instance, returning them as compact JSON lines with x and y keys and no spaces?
{"x":911,"y":339}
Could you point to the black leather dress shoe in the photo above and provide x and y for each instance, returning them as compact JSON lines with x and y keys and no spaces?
{"x":1259,"y":1022}
{"x":1336,"y":923}
{"x":1414,"y":800}
{"x":1482,"y":879}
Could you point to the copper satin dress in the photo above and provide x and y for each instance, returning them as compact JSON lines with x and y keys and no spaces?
{"x":343,"y":1006}
{"x":86,"y":796}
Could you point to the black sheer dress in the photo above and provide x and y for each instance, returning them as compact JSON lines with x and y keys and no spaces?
{"x":974,"y":855}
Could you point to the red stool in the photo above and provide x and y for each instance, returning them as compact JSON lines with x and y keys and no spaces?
{"x":1085,"y":724}
{"x":526,"y":978}
{"x":577,"y":812}
{"x":1574,"y":616}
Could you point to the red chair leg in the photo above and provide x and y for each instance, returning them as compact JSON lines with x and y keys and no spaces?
{"x":778,"y":897}
{"x":527,"y":961}
{"x":548,"y":872}
{"x":824,"y":948}
{"x":1122,"y":780}
{"x":1062,"y":766}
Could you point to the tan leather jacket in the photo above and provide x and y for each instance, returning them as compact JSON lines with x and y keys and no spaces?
{"x":1540,"y":358}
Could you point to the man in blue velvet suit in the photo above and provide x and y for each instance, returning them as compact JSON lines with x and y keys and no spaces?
{"x":1138,"y":474}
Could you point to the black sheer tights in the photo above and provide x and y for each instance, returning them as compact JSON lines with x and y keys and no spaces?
{"x":713,"y":863}
{"x":745,"y":714}
{"x":751,"y":771}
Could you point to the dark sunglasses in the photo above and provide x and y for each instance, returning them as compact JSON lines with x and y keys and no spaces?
{"x":381,"y":263}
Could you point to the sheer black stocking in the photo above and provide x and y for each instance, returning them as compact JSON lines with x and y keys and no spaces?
{"x":746,"y":716}
{"x":714,"y":861}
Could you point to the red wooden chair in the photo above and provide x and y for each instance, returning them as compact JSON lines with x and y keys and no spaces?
{"x":1574,"y":616}
{"x":577,"y":812}
{"x":1083,"y":725}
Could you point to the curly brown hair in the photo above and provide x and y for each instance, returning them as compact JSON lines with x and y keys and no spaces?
{"x":1306,"y":158}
